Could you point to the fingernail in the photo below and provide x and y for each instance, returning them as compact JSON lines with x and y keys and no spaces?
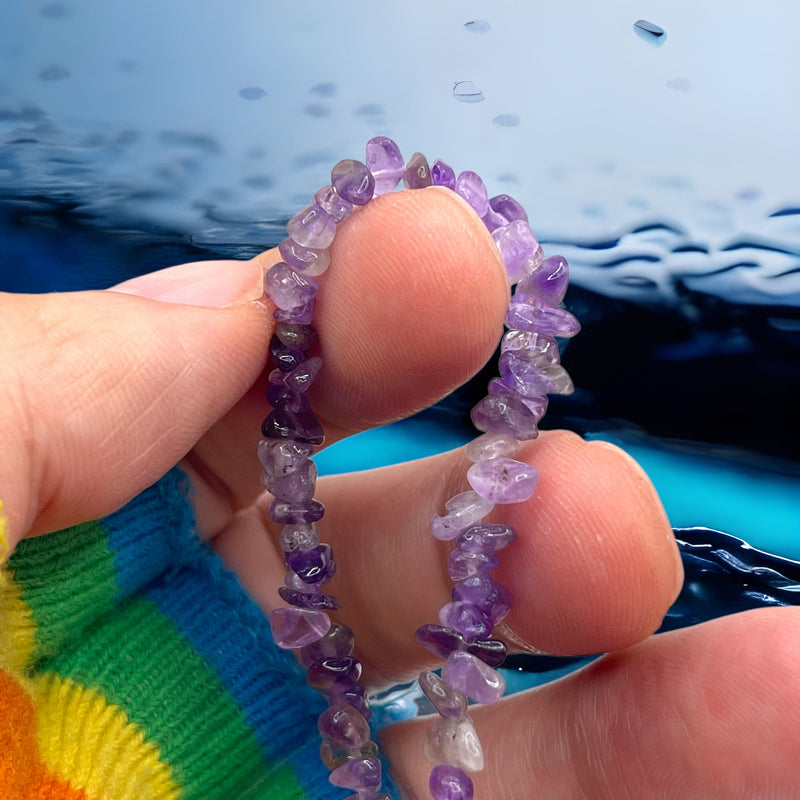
{"x":213,"y":284}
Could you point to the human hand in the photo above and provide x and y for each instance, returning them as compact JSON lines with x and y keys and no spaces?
{"x":107,"y":391}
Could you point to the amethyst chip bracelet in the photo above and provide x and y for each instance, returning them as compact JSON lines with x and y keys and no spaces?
{"x":529,"y":369}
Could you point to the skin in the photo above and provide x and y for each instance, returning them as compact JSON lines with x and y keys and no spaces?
{"x":105,"y":391}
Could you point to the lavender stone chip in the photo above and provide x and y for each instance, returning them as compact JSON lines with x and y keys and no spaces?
{"x":505,"y":413}
{"x":463,"y":510}
{"x":442,"y":174}
{"x":491,"y":445}
{"x":295,"y":487}
{"x":439,"y":640}
{"x":490,"y":651}
{"x":353,"y":181}
{"x":331,"y":202}
{"x":485,"y":593}
{"x":301,"y":426}
{"x":308,"y":599}
{"x":299,"y":536}
{"x":323,"y":674}
{"x":342,"y":725}
{"x":280,"y":457}
{"x":312,"y":227}
{"x":516,"y":244}
{"x":288,"y":289}
{"x":301,"y":315}
{"x":358,"y":773}
{"x":537,"y":404}
{"x":337,"y":642}
{"x":470,"y":186}
{"x":286,"y":512}
{"x":533,"y":341}
{"x":450,"y":783}
{"x":385,"y":162}
{"x":548,"y":281}
{"x":297,"y":337}
{"x":531,"y":374}
{"x":285,"y":358}
{"x":308,"y":260}
{"x":528,"y":313}
{"x":463,"y":564}
{"x":312,"y":566}
{"x":297,"y":627}
{"x":503,"y":480}
{"x":301,"y":378}
{"x":446,"y":699}
{"x":485,"y":538}
{"x":280,"y":395}
{"x":467,"y":618}
{"x":417,"y":174}
{"x":455,"y":742}
{"x":472,"y":677}
{"x":506,"y":206}
{"x":350,"y":692}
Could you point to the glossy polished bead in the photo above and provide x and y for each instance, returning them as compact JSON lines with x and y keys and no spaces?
{"x":281,"y":456}
{"x":297,"y":627}
{"x":385,"y":162}
{"x":490,"y":651}
{"x":323,"y":674}
{"x":312,"y":227}
{"x":285,"y":358}
{"x":505,"y":413}
{"x":295,"y":597}
{"x":442,"y":174}
{"x":295,"y":487}
{"x":463,"y":564}
{"x":472,"y":677}
{"x":417,"y":174}
{"x":516,"y":244}
{"x":531,"y":375}
{"x":450,"y":783}
{"x":348,"y":691}
{"x":331,"y":202}
{"x":446,"y":699}
{"x":485,"y":593}
{"x":438,"y":639}
{"x":463,"y":510}
{"x":358,"y":773}
{"x":287,"y":288}
{"x":353,"y":181}
{"x":308,"y":260}
{"x":508,"y":208}
{"x":529,"y":313}
{"x":468,"y":619}
{"x":342,"y":725}
{"x":301,"y":426}
{"x":302,"y":315}
{"x":533,"y":263}
{"x":486,"y":538}
{"x":284,"y":511}
{"x":280,"y":396}
{"x":334,"y":756}
{"x":470,"y":186}
{"x":503,"y":480}
{"x":337,"y":642}
{"x":537,"y":404}
{"x":298,"y":337}
{"x":454,"y":742}
{"x":299,"y":537}
{"x":533,"y":342}
{"x":491,"y":445}
{"x":313,"y":566}
{"x":303,"y":376}
{"x":548,"y":281}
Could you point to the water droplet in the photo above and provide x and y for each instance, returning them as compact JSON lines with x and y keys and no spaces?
{"x":327,"y":89}
{"x":467,"y":92}
{"x":679,"y":84}
{"x":317,"y":110}
{"x":649,"y":32}
{"x":477,"y":26}
{"x":252,"y":93}
{"x":54,"y":73}
{"x":506,"y":121}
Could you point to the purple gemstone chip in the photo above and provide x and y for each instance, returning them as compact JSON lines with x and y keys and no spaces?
{"x":503,"y":480}
{"x":470,"y":186}
{"x":385,"y":162}
{"x":528,"y":313}
{"x":308,"y":599}
{"x":450,"y":783}
{"x":287,"y":288}
{"x":417,"y":174}
{"x":353,"y":181}
{"x":313,"y":566}
{"x":312,"y":227}
{"x":442,"y":174}
{"x":358,"y":773}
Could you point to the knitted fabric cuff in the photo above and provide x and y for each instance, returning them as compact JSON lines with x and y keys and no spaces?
{"x":149,"y":670}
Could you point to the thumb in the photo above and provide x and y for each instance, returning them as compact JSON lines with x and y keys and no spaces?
{"x":105,"y":391}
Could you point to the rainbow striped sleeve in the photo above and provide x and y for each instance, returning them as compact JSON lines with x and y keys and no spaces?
{"x":133,"y":666}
